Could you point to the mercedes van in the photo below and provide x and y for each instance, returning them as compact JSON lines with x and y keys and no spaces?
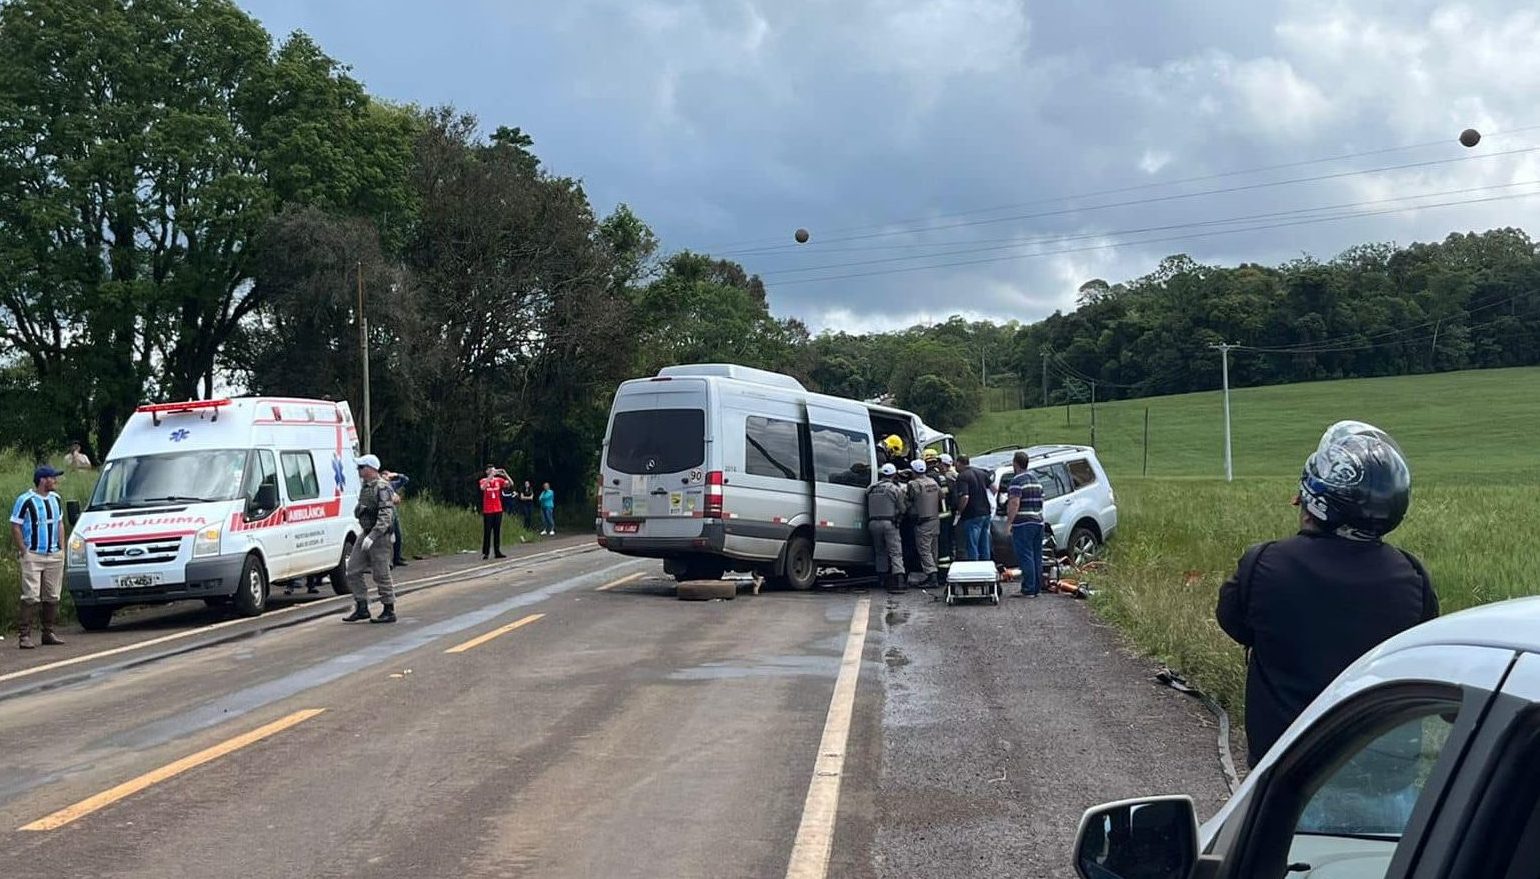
{"x":218,"y":500}
{"x":718,"y":467}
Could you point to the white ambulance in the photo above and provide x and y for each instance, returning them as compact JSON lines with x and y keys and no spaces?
{"x":218,"y":500}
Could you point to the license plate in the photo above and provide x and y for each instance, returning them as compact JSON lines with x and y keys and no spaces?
{"x":627,"y":527}
{"x":136,"y":581}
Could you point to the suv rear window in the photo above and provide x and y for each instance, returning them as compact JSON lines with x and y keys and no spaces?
{"x":657,"y":441}
{"x":1081,"y":474}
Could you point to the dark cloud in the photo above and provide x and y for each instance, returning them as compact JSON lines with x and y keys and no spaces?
{"x":729,"y":122}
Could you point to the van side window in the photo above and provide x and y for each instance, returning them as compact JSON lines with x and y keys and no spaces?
{"x":299,"y":476}
{"x":772,"y":448}
{"x":1081,"y":474}
{"x":841,"y":457}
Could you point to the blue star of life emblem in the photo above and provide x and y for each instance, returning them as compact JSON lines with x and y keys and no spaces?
{"x":339,"y":476}
{"x":179,"y":435}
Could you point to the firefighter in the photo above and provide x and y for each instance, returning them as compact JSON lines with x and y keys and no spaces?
{"x":925,"y":510}
{"x":885,"y":505}
{"x":891,"y":451}
{"x":946,"y":478}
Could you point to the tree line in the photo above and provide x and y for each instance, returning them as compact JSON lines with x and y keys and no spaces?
{"x":189,"y":207}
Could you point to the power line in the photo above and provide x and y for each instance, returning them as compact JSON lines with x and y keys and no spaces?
{"x":1022,"y":242}
{"x":1118,"y":244}
{"x":1249,"y":187}
{"x":1138,"y":187}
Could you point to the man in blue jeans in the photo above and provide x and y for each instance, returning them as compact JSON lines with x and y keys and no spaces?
{"x":973,"y":509}
{"x":1024,"y":511}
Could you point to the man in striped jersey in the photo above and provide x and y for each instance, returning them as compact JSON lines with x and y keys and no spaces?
{"x":1024,"y":512}
{"x":37,"y":527}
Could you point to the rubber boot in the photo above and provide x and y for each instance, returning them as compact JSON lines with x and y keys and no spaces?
{"x":360,"y":612}
{"x":389,"y":615}
{"x":24,"y":627}
{"x":51,"y":616}
{"x":895,"y":584}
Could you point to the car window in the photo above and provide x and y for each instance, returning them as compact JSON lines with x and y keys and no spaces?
{"x":1357,"y":809}
{"x":1055,"y":480}
{"x":841,"y":457}
{"x":1081,"y":474}
{"x":657,"y":441}
{"x":261,"y":470}
{"x":299,"y":476}
{"x":771,"y":447}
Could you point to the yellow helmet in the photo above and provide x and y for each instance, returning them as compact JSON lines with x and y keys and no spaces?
{"x":894,"y":444}
{"x":932,"y":454}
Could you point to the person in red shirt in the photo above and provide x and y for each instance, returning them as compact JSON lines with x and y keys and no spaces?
{"x":492,"y":486}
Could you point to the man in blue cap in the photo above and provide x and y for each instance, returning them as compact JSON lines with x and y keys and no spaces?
{"x":37,"y":527}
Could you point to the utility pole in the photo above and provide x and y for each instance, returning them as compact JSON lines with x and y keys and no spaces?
{"x":363,"y":351}
{"x":1224,"y":349}
{"x":1093,"y":415}
{"x":1045,"y":378}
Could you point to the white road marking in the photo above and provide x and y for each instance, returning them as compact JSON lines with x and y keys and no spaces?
{"x":815,"y":836}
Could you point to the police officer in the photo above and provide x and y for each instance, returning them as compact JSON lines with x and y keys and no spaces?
{"x":925,"y":509}
{"x":376,"y":512}
{"x":885,"y":503}
{"x":1308,"y":606}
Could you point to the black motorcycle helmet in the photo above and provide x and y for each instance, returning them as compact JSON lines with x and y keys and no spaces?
{"x":1357,"y":483}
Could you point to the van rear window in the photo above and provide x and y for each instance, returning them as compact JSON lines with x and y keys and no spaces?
{"x":657,"y":441}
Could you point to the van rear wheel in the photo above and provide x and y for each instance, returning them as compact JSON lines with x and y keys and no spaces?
{"x":800,"y":572}
{"x":339,"y":574}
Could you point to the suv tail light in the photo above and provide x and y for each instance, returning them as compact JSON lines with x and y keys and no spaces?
{"x":714,"y":482}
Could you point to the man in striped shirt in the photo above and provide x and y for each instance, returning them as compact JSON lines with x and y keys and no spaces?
{"x":37,"y":527}
{"x":1024,"y":511}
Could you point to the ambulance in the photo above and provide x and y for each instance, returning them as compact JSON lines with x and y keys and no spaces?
{"x":218,"y":500}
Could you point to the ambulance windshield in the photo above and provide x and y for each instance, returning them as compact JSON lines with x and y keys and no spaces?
{"x":179,"y":477}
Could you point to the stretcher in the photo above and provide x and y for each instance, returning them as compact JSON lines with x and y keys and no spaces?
{"x":972,"y":581}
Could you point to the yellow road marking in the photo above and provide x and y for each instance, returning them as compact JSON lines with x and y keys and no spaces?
{"x":129,"y":788}
{"x":621,"y":582}
{"x":482,"y":639}
{"x":815,"y":836}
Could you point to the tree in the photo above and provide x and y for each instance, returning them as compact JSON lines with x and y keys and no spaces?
{"x":144,"y":147}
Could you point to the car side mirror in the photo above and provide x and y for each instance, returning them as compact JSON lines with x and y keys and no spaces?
{"x":1153,"y":838}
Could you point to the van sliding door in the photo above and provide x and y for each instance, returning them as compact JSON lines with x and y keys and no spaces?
{"x":843,"y":457}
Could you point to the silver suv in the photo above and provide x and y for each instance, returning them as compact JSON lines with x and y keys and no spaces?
{"x":1078,"y":503}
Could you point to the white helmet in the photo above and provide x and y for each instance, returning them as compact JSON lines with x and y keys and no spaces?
{"x":917,"y":465}
{"x":947,"y":460}
{"x":888,"y":470}
{"x":370,"y":461}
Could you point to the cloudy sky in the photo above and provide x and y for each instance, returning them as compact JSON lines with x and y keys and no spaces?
{"x":985,"y":157}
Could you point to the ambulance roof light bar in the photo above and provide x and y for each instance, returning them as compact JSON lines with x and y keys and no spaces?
{"x":156,"y":410}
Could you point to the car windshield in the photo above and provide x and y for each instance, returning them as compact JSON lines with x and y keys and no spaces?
{"x":179,"y":477}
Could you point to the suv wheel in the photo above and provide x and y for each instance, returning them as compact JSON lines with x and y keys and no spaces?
{"x":1083,"y":546}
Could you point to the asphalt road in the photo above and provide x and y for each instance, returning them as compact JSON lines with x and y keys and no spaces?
{"x":521,"y":720}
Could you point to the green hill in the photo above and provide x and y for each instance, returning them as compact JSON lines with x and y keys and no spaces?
{"x":1472,"y":438}
{"x":1479,"y":424}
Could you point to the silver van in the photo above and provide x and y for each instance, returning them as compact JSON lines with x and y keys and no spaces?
{"x":717,"y":467}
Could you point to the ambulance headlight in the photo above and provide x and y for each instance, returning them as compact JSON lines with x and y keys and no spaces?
{"x":76,"y":557}
{"x":206,"y":542}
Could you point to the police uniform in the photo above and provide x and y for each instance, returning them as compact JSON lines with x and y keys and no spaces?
{"x":885,"y":502}
{"x":925,"y":509}
{"x":376,"y":514}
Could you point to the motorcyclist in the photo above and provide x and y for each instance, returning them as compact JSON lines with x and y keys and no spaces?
{"x":1308,"y":606}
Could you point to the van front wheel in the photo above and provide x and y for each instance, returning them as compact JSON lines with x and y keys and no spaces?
{"x":251,"y":591}
{"x":799,"y":572}
{"x":94,"y":619}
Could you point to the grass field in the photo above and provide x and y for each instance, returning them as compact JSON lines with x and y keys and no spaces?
{"x":428,"y":528}
{"x":1471,"y":439}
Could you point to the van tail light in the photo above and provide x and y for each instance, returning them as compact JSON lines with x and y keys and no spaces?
{"x":714,"y":483}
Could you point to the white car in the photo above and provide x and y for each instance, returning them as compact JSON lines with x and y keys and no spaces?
{"x":1419,"y":760}
{"x":1079,"y":505}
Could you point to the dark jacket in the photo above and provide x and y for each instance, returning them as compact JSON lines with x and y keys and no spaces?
{"x":1309,"y":606}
